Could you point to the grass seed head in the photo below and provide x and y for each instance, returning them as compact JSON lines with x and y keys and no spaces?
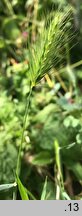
{"x":48,"y":50}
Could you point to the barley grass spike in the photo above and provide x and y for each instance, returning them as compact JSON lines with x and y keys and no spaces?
{"x":49,"y":48}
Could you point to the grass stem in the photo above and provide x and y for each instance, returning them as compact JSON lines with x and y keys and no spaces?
{"x":22,"y":137}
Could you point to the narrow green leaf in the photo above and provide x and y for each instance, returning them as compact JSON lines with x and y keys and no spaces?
{"x":22,"y":190}
{"x":4,"y":187}
{"x":30,"y":195}
{"x":44,"y":191}
{"x":65,"y":195}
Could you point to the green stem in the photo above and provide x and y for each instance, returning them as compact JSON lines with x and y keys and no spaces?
{"x":22,"y":137}
{"x":59,"y":176}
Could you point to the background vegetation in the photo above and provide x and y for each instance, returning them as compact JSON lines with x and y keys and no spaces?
{"x":51,"y":153}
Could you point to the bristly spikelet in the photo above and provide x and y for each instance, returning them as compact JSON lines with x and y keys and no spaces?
{"x":48,"y":50}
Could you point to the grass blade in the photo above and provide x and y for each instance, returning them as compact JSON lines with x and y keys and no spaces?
{"x":44,"y":191}
{"x":65,"y":196}
{"x":4,"y":187}
{"x":22,"y":190}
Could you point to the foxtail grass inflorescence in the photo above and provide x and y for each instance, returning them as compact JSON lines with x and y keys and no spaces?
{"x":49,"y":48}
